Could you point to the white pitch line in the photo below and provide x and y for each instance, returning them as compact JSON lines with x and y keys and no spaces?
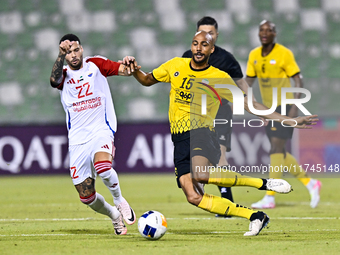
{"x":307,"y":203}
{"x":33,"y":235}
{"x":44,"y":205}
{"x":71,"y":219}
{"x":272,"y":218}
{"x":191,"y":218}
{"x":171,"y":233}
{"x":306,"y":218}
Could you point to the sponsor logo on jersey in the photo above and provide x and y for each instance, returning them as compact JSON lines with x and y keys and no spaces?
{"x":105,"y":147}
{"x":71,"y":81}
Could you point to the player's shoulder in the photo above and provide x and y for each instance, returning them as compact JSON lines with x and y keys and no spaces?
{"x":282,"y":48}
{"x":218,"y":72}
{"x":255,"y":51}
{"x":179,"y":61}
{"x":223,"y":54}
{"x":95,"y":58}
{"x":182,"y":60}
{"x":219,"y":50}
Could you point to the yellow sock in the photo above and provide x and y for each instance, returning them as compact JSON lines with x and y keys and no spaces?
{"x":224,"y":206}
{"x":276,"y":163}
{"x":227,"y":178}
{"x":295,"y":169}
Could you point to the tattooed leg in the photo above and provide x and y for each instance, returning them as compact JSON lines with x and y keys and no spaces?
{"x":86,"y":188}
{"x":90,"y":197}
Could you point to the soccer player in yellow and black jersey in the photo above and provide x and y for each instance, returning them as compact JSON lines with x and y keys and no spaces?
{"x":273,"y":65}
{"x":196,"y":144}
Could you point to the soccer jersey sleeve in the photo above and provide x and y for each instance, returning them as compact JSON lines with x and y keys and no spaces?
{"x":161,"y":73}
{"x":290,"y":65}
{"x":250,"y":66}
{"x":232,"y":67}
{"x":107,"y":67}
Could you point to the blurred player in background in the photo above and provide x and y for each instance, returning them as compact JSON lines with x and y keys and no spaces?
{"x":226,"y":62}
{"x":196,"y":144}
{"x":273,"y":65}
{"x":91,"y":123}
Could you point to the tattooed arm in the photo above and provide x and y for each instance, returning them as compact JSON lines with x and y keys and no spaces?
{"x":57,"y":70}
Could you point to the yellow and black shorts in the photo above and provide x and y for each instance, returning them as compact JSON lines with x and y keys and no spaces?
{"x":197,"y":142}
{"x":275,"y":129}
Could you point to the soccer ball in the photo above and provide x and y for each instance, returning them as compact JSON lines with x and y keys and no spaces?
{"x":152,"y":225}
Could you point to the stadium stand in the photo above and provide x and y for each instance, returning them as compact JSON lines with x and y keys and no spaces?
{"x":154,"y":31}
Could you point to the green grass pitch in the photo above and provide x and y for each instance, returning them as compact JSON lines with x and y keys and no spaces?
{"x":43,"y":215}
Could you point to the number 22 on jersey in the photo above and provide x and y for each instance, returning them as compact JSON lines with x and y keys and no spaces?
{"x":84,"y":90}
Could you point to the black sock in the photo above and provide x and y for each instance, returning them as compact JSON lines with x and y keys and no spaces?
{"x":226,"y":193}
{"x":257,"y":215}
{"x":264,"y":185}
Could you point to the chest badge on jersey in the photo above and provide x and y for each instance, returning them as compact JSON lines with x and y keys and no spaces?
{"x":176,"y":74}
{"x":255,"y":62}
{"x":272,"y":62}
{"x":90,"y":74}
{"x":80,"y":79}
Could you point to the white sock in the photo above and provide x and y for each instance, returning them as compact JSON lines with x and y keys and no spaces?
{"x":269,"y":198}
{"x":101,"y":206}
{"x":311,"y":184}
{"x":110,"y":179}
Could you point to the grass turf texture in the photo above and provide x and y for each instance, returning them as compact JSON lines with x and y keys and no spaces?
{"x":43,"y":215}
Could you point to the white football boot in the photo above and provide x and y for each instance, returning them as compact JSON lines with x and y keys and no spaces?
{"x":314,"y":192}
{"x":259,"y":221}
{"x":278,"y":185}
{"x":128,"y":214}
{"x":119,"y":226}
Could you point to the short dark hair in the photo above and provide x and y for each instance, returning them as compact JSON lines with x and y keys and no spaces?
{"x":206,"y":20}
{"x":70,"y":37}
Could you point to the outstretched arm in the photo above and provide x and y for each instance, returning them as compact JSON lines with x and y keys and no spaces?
{"x":298,"y":84}
{"x":127,"y":66}
{"x":250,"y":80}
{"x":242,"y":84}
{"x":57,"y":70}
{"x":303,"y":122}
{"x":146,"y":79}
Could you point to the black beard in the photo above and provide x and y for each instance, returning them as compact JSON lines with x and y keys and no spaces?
{"x":76,"y":67}
{"x":200,"y":61}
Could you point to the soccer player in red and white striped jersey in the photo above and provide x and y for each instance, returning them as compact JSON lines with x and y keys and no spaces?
{"x":91,"y":123}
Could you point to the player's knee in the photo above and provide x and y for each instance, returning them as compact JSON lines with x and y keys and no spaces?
{"x":86,"y":190}
{"x":201,"y":179}
{"x":103,"y":169}
{"x":88,"y":199}
{"x":194,"y":198}
{"x":277,"y":145}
